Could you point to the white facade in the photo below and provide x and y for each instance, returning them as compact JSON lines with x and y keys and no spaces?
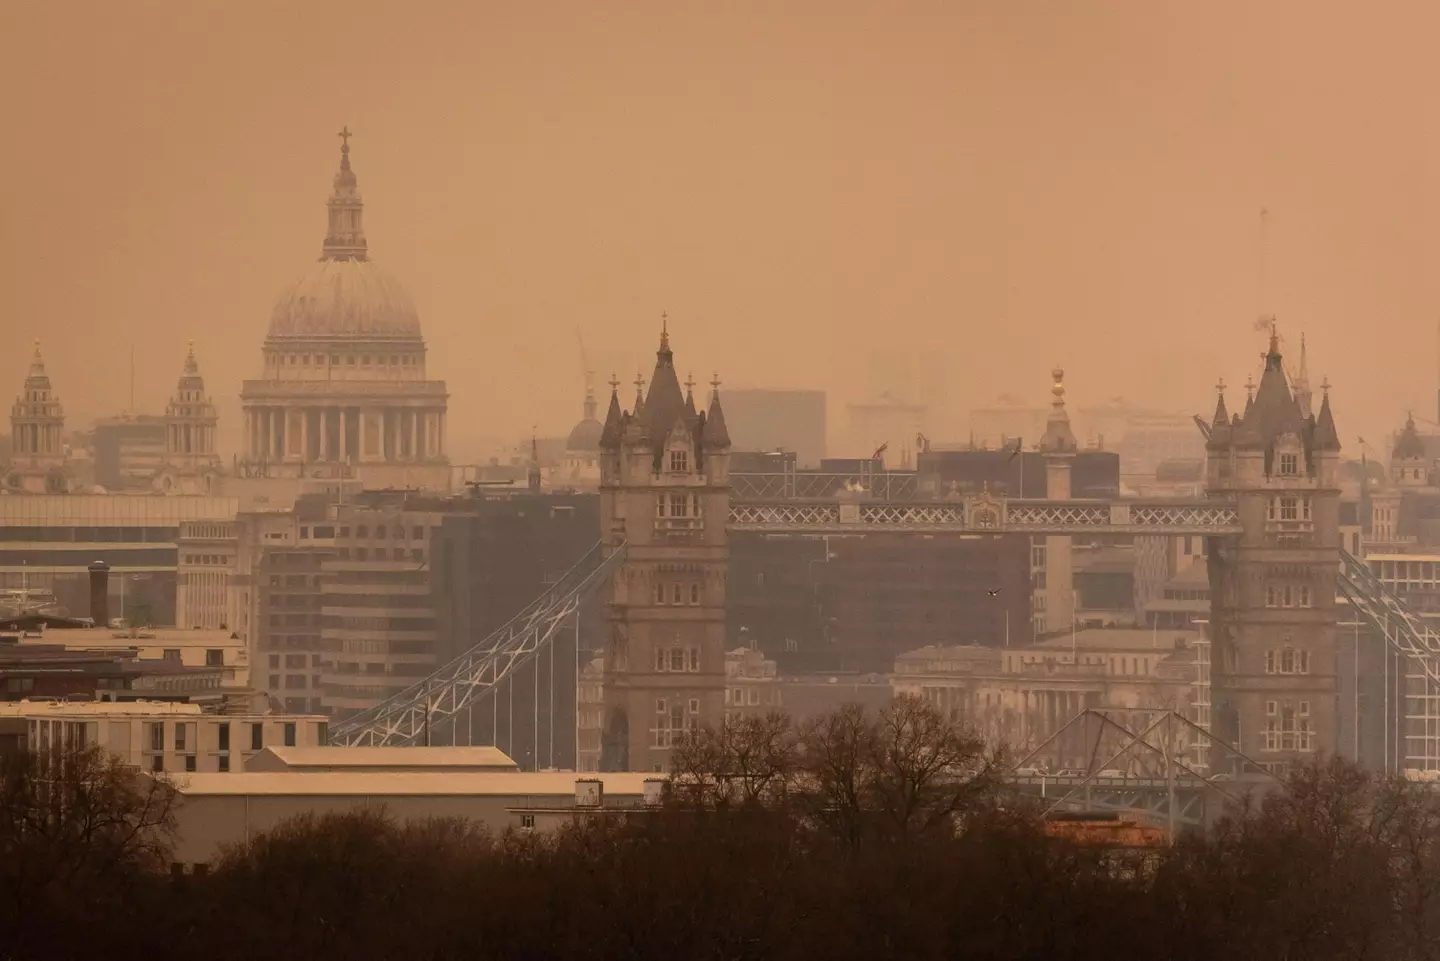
{"x":178,"y":744}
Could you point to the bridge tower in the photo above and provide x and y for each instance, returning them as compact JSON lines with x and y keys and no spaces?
{"x":665,"y":494}
{"x":1273,"y":588}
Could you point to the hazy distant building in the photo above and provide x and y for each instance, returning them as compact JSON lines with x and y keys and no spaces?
{"x":787,"y":420}
{"x":38,"y":456}
{"x":344,"y":389}
{"x":129,"y":451}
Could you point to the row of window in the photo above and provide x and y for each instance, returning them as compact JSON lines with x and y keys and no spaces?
{"x":1288,"y":728}
{"x":206,"y":559}
{"x":673,"y":593}
{"x":1288,"y":509}
{"x":1287,"y":661}
{"x":677,"y":659}
{"x":294,"y":661}
{"x":677,"y":505}
{"x":673,"y":717}
{"x":333,"y":360}
{"x":1287,"y":595}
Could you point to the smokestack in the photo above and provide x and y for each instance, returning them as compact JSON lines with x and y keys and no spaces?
{"x":100,"y":594}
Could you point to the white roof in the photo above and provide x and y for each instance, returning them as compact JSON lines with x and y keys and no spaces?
{"x":411,"y":757}
{"x":527,"y":784}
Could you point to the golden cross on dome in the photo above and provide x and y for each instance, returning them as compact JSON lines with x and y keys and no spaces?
{"x":614,"y":381}
{"x":689,"y":383}
{"x":639,"y":381}
{"x":1325,"y":385}
{"x":715,"y":382}
{"x":345,"y":136}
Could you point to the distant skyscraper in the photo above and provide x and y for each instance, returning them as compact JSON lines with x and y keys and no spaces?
{"x":344,"y":390}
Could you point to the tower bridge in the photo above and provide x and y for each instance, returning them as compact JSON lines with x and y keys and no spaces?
{"x":1279,"y":579}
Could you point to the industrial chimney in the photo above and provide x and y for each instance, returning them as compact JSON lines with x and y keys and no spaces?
{"x":100,"y":594}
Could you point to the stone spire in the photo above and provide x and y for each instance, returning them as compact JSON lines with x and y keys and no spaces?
{"x":717,"y":437}
{"x":345,"y":238}
{"x":1058,"y":438}
{"x":614,"y":429}
{"x":1220,"y":423}
{"x":1301,"y":386}
{"x":1326,"y":437}
{"x":532,"y":475}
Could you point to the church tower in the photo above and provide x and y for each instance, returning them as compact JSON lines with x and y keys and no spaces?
{"x":1273,"y":588}
{"x":665,"y":494}
{"x":37,"y":423}
{"x":191,"y":462}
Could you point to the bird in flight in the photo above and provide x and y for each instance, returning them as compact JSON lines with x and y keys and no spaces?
{"x":994,"y":593}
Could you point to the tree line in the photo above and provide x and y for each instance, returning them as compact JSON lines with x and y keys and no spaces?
{"x":855,"y":836}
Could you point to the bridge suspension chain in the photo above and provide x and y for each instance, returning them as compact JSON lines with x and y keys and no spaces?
{"x":406,"y":717}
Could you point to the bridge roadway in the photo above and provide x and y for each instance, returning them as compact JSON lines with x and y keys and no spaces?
{"x":984,"y":514}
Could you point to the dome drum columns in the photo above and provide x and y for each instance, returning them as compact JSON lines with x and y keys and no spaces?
{"x":344,"y":434}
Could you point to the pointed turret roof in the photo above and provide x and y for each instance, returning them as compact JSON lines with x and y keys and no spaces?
{"x":1273,"y":410}
{"x":614,"y":427}
{"x":1326,"y":437}
{"x":664,"y":404}
{"x":1409,"y":446}
{"x":1220,"y":423}
{"x":717,"y":436}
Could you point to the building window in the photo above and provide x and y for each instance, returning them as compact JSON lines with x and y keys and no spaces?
{"x":694,"y":593}
{"x":223,"y":763}
{"x":190,"y":763}
{"x":527,"y":821}
{"x":257,"y":737}
{"x":157,"y":736}
{"x":676,"y":594}
{"x":157,"y":763}
{"x":694,"y":660}
{"x":660,"y":593}
{"x":1287,"y":661}
{"x":660,"y":659}
{"x":679,"y":460}
{"x":1289,"y":509}
{"x":289,"y":733}
{"x":223,"y":730}
{"x":1289,"y":464}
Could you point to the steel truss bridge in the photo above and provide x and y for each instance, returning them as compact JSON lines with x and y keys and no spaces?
{"x":470,"y":679}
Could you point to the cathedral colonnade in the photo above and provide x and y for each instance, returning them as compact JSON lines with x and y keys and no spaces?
{"x":344,"y":433}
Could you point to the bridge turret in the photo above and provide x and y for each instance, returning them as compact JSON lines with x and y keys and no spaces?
{"x":1272,"y":588}
{"x":664,"y":491}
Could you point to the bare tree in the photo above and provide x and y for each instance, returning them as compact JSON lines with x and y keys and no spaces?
{"x":746,"y":760}
{"x":77,"y":829}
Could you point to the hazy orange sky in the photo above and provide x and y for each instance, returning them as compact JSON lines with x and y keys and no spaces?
{"x":1007,"y":185}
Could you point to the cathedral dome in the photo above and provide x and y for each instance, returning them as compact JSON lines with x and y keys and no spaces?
{"x":585,"y":437}
{"x":345,"y":298}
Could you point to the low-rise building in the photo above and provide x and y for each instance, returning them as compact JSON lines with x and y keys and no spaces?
{"x":355,"y":760}
{"x":178,"y":742}
{"x":1022,"y":697}
{"x":215,"y":811}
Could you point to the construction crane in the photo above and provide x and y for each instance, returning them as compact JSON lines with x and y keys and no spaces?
{"x":1204,"y":427}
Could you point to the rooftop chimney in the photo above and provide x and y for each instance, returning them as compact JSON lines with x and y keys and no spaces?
{"x":100,"y":594}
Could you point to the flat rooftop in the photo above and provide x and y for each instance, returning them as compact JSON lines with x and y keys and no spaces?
{"x":529,"y":784}
{"x":393,"y":757}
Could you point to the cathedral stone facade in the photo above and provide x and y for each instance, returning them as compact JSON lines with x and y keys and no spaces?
{"x":38,"y":458}
{"x":665,"y":495}
{"x":1273,"y":588}
{"x":191,"y":464}
{"x":344,"y":390}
